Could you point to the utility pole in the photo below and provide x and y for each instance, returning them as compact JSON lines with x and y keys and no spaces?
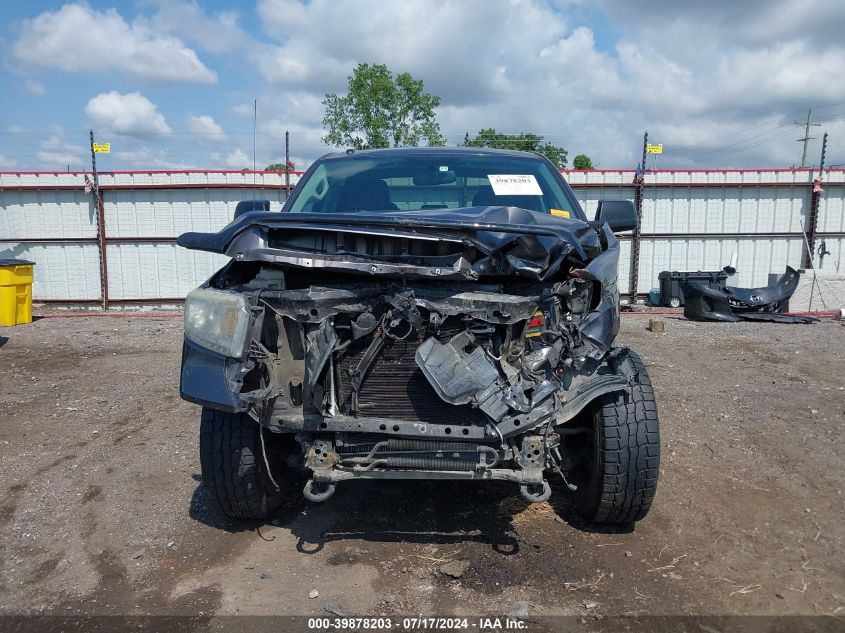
{"x":824,"y":151}
{"x":807,"y":138}
{"x":287,"y":164}
{"x":254,"y":124}
{"x":101,"y":227}
{"x":639,"y":185}
{"x":813,"y":216}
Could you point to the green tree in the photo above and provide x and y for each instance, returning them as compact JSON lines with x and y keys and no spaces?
{"x":582,"y":161}
{"x":524,"y":141}
{"x":380,"y":111}
{"x":280,"y":167}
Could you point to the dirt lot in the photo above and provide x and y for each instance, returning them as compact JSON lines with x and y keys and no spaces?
{"x":102,"y":509}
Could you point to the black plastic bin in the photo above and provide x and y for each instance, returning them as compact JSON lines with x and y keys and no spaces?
{"x":670,"y":284}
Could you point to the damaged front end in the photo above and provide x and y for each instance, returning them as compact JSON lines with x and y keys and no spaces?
{"x":462,"y":344}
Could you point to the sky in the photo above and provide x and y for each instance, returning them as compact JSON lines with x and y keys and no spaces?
{"x":171,"y":84}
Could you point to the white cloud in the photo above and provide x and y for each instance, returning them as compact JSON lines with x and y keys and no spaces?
{"x":239,"y":160}
{"x":35,"y":87}
{"x":6,"y":162}
{"x":145,"y":158}
{"x":216,"y":34}
{"x":79,"y":39}
{"x":58,"y":159}
{"x":706,"y":71}
{"x":718,"y":83}
{"x":458,"y":48}
{"x":243,"y":110}
{"x":130,"y":114}
{"x":206,"y":126}
{"x":281,"y":18}
{"x":56,"y":152}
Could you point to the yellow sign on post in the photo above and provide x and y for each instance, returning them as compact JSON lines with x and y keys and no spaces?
{"x":654,"y":149}
{"x":101,"y":148}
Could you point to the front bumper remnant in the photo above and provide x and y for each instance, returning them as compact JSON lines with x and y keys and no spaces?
{"x":730,"y":304}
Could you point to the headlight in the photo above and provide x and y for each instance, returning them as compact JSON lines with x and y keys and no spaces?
{"x":217,"y":320}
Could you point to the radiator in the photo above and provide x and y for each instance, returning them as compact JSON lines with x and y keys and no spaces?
{"x":395,"y":387}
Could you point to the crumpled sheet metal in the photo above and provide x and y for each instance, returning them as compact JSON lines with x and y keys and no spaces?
{"x":530,"y":244}
{"x":731,"y":304}
{"x":513,"y":242}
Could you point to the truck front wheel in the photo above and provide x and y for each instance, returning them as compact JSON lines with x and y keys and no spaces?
{"x":233,"y":467}
{"x":617,"y":477}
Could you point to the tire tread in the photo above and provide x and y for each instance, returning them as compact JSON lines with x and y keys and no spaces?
{"x":629,"y":446}
{"x":232,"y":467}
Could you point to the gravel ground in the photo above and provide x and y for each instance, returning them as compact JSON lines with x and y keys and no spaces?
{"x":102,"y":509}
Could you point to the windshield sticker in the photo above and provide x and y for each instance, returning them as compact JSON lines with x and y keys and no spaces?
{"x":514,"y":185}
{"x":561,"y":213}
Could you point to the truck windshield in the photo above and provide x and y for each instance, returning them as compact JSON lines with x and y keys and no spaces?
{"x":393,"y":182}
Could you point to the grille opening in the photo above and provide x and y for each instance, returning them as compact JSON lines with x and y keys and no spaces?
{"x":395,"y":388}
{"x":343,"y":243}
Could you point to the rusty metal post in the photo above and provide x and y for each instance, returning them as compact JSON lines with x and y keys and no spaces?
{"x":101,"y":228}
{"x":813,"y":212}
{"x":639,"y":186}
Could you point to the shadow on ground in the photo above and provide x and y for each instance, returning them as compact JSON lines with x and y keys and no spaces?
{"x":421,"y":512}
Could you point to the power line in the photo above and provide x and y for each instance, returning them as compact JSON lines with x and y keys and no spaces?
{"x":745,"y":144}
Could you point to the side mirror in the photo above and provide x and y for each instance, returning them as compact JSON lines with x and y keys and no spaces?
{"x":246,"y":206}
{"x":620,"y":215}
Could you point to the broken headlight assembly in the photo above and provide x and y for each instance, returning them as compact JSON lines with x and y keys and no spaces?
{"x":218,"y":321}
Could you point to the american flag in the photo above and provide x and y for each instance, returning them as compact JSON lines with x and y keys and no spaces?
{"x":89,"y":186}
{"x":639,"y":174}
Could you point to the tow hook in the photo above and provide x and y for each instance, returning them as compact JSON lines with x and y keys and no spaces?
{"x":532,"y":494}
{"x":318,"y":492}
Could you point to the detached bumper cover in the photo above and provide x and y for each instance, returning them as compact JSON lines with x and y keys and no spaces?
{"x":730,"y":304}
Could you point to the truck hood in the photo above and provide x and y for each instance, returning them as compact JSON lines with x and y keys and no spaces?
{"x":463,"y":243}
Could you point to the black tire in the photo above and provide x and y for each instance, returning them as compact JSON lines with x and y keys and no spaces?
{"x":618,"y":478}
{"x":232,"y":464}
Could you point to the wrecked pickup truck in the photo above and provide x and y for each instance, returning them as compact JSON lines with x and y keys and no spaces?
{"x":420,"y":314}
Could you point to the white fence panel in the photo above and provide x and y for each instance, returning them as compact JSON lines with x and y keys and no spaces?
{"x":44,"y":213}
{"x":691,"y":220}
{"x":171,"y":212}
{"x":63,"y":272}
{"x":155,"y":271}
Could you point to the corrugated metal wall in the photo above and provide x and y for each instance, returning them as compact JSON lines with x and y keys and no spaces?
{"x":695,"y":220}
{"x":49,"y":219}
{"x":691,"y":220}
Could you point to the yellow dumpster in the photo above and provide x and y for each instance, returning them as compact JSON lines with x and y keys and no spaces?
{"x":15,"y":291}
